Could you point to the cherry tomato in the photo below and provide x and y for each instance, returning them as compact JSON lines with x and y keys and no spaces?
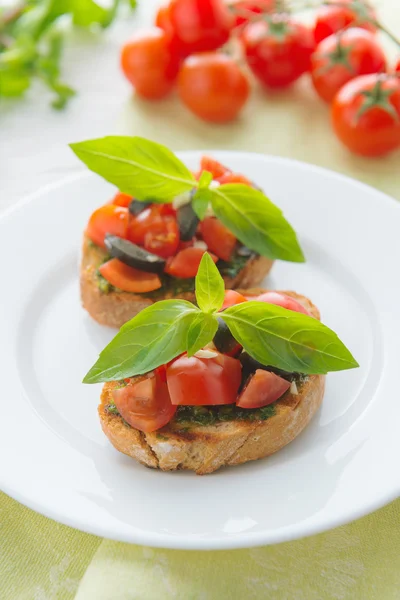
{"x":143,"y":223}
{"x":397,"y":68}
{"x":163,"y":21}
{"x":219,"y":239}
{"x":213,"y":87}
{"x":341,"y":57}
{"x":204,"y":381}
{"x":331,"y":19}
{"x":366,"y":114}
{"x":145,"y":403}
{"x":282,"y":300}
{"x":278,"y":51}
{"x":200,"y":25}
{"x":262,"y":389}
{"x":107,"y":219}
{"x":231,"y":298}
{"x":149,"y":63}
{"x":129,"y":279}
{"x":245,"y":10}
{"x":121,"y":199}
{"x":235,"y":178}
{"x":163,"y":239}
{"x":213,"y":166}
{"x":186,"y":263}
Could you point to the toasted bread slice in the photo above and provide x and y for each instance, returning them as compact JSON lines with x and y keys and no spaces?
{"x":206,"y":448}
{"x":116,"y":308}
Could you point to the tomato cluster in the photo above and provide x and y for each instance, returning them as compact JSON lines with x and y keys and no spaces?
{"x":208,"y":49}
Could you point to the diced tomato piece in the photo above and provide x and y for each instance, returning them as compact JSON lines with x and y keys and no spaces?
{"x":186,"y":263}
{"x":121,"y":199}
{"x":161,"y":372}
{"x":218,"y":238}
{"x":212,"y":166}
{"x":107,"y":219}
{"x":204,"y":381}
{"x":282,"y":300}
{"x":263,"y":388}
{"x":163,"y":238}
{"x":129,"y":279}
{"x":145,"y":403}
{"x":143,"y":223}
{"x":232,"y":298}
{"x":235,"y":178}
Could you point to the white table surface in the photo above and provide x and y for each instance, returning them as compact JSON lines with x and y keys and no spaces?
{"x":34,"y":137}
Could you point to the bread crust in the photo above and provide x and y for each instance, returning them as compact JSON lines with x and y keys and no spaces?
{"x":116,"y":308}
{"x":206,"y":448}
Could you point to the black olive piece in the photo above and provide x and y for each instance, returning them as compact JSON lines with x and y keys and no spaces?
{"x":187,"y":221}
{"x":136,"y":207}
{"x":244,"y":251}
{"x":133,"y":255}
{"x":224,"y":340}
{"x":250,"y":365}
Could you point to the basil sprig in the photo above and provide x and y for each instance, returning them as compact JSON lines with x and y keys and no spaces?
{"x":150,"y":171}
{"x":271,"y":334}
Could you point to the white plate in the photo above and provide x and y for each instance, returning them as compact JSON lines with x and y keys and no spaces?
{"x":55,"y":458}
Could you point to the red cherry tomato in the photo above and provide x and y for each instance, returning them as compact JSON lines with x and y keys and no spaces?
{"x":397,"y":68}
{"x":262,"y":389}
{"x":163,"y":21}
{"x":339,"y":58}
{"x":213,"y":166}
{"x":186,"y":263}
{"x":163,"y":239}
{"x":204,"y":381}
{"x":331,"y":19}
{"x":145,"y":403}
{"x":107,"y":219}
{"x":245,"y":10}
{"x":121,"y":199}
{"x":219,"y":239}
{"x":278,"y":51}
{"x":149,"y":63}
{"x":282,"y":300}
{"x":235,"y":178}
{"x":200,"y":25}
{"x":366,"y":114}
{"x":232,"y":298}
{"x":129,"y":279}
{"x":213,"y":87}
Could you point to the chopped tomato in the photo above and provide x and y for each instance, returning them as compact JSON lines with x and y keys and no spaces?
{"x":143,"y":223}
{"x":282,"y":300}
{"x":163,"y":238}
{"x":145,"y":403}
{"x":107,"y":219}
{"x":212,"y":166}
{"x":186,"y":263}
{"x":218,"y":238}
{"x":204,"y":381}
{"x":129,"y":279}
{"x":263,"y":388}
{"x":121,"y":199}
{"x":232,"y":298}
{"x":235,"y":178}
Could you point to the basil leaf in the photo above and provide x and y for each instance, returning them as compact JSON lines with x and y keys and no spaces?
{"x":154,"y":337}
{"x":256,"y":221}
{"x":210,"y":287}
{"x":201,"y":332}
{"x":205,"y":179}
{"x":201,"y":201}
{"x":137,"y":166}
{"x":288,"y":340}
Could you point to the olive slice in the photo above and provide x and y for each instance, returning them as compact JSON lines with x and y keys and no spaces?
{"x":133,"y":255}
{"x":250,"y":365}
{"x":224,"y":340}
{"x":136,"y":207}
{"x":187,"y":222}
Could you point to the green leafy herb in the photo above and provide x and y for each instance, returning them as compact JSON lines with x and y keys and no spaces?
{"x":137,"y":166}
{"x":201,"y":332}
{"x":31,"y":41}
{"x":210,"y":289}
{"x":205,"y":179}
{"x":287,"y":340}
{"x":256,"y":221}
{"x":201,"y":201}
{"x":152,"y":338}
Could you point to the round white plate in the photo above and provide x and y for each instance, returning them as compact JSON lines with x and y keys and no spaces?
{"x":56,"y":460}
